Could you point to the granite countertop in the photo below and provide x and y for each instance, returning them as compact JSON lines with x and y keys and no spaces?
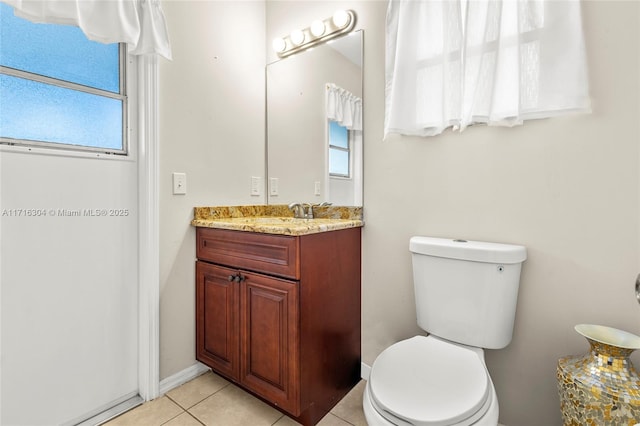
{"x":277,"y":219}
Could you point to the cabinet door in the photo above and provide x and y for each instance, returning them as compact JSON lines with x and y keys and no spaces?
{"x":270,"y":345}
{"x":217,"y":319}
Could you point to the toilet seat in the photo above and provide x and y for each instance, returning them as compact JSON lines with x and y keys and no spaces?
{"x":426,"y":381}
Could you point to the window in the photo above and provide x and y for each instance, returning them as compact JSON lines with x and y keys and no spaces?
{"x":339,"y":151}
{"x":58,"y":89}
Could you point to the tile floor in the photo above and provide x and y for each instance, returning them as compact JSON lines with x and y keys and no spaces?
{"x":211,"y":400}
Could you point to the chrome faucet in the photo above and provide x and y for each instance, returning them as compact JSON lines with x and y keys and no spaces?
{"x":298,"y":210}
{"x":305,"y":210}
{"x":309,"y":212}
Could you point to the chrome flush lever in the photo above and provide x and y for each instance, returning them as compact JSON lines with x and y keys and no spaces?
{"x":638,"y":288}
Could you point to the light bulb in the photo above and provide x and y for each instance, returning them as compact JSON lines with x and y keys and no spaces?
{"x":317,"y":28}
{"x":297,"y":37}
{"x":341,"y":18}
{"x":279,"y":45}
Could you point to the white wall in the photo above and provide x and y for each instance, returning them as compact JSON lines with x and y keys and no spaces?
{"x":212,"y":129}
{"x":567,"y":188}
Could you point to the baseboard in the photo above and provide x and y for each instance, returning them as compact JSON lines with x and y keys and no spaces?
{"x":365,"y":370}
{"x":182,"y":377}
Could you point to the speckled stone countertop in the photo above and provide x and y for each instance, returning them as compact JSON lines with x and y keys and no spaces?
{"x":277,"y":219}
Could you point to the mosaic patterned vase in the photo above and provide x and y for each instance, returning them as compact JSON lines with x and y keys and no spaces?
{"x":600,"y":388}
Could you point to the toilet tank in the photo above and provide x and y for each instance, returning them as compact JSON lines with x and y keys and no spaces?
{"x":466,"y":291}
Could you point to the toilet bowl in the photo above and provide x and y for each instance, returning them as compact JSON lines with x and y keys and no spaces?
{"x":428,"y":381}
{"x":465,"y":295}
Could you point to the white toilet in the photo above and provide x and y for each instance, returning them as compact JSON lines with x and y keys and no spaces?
{"x":466,"y":293}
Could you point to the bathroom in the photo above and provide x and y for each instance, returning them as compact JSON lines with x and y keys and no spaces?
{"x":567,"y":188}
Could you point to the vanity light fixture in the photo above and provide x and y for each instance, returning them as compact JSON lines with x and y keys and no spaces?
{"x":279,"y":45}
{"x":317,"y":28}
{"x":297,"y":37}
{"x":319,"y":31}
{"x":340,"y":18}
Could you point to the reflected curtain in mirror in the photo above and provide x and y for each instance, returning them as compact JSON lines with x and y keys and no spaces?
{"x":344,"y":107}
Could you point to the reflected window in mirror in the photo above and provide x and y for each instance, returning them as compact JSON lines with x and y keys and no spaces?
{"x":339,"y":151}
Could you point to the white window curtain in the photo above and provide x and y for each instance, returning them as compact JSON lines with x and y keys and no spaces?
{"x":343,"y":107}
{"x":454,"y":63}
{"x":139,"y":23}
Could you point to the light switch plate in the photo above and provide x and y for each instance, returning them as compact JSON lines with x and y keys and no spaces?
{"x":255,"y":185}
{"x":317,"y":187}
{"x":179,"y":183}
{"x":273,"y":186}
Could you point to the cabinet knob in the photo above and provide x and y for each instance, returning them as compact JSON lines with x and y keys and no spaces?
{"x":237,"y":278}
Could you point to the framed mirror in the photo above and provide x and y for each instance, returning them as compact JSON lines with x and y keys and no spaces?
{"x":314,"y":143}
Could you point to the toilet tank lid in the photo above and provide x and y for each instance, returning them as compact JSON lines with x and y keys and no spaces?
{"x":476,"y":251}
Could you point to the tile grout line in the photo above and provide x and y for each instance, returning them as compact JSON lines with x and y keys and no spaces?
{"x":344,"y":420}
{"x":279,"y":418}
{"x":193,"y":405}
{"x":195,"y":418}
{"x":186,"y":410}
{"x":179,"y":414}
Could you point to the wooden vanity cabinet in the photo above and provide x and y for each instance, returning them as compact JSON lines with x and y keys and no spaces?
{"x":280,"y":315}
